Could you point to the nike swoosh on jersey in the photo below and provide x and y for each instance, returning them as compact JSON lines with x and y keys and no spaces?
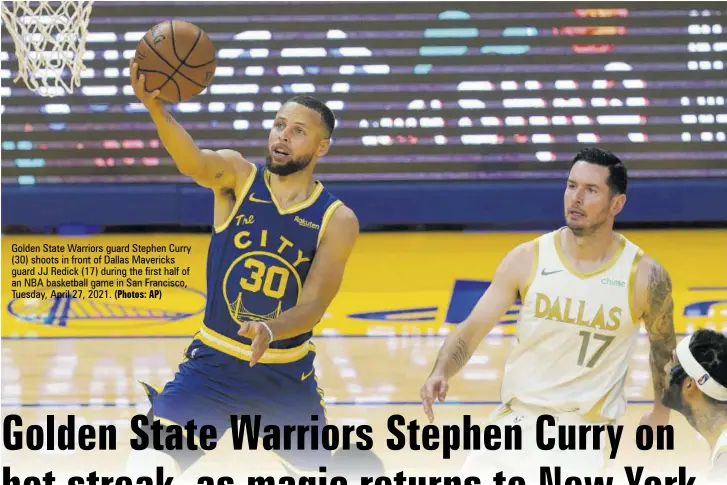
{"x":260,"y":201}
{"x":305,"y":376}
{"x":548,"y":273}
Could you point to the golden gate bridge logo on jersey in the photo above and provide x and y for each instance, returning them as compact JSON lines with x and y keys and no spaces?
{"x":66,"y":310}
{"x":256,"y":284}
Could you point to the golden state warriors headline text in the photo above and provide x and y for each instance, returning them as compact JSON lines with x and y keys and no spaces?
{"x":252,"y":433}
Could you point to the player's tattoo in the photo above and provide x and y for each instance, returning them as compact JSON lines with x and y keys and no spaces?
{"x":453,"y":356}
{"x":219,"y":174}
{"x":659,"y":320}
{"x":168,"y":117}
{"x":461,"y":354}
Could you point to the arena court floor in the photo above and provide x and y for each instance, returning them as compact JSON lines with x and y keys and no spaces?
{"x":374,"y":348}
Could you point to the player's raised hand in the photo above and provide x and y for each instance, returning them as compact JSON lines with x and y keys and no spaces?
{"x":436,"y":387}
{"x":261,"y":337}
{"x":137,"y":82}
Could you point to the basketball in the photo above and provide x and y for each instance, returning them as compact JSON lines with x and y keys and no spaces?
{"x":178,"y":58}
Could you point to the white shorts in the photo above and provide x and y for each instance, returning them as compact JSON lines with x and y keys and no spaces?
{"x":527,"y":461}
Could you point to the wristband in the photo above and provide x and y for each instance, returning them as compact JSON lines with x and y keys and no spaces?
{"x":268,"y":329}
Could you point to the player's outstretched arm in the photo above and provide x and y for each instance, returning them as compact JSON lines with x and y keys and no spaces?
{"x":654,"y":283}
{"x":209,"y":168}
{"x":321,"y":286}
{"x":467,"y":336}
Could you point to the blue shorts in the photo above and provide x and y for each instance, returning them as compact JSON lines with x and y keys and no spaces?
{"x":211,"y":386}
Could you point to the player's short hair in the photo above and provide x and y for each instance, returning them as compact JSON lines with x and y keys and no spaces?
{"x":618,"y":178}
{"x":709,"y":349}
{"x":329,"y":120}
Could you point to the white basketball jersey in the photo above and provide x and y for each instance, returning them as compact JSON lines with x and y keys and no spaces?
{"x":575,"y":334}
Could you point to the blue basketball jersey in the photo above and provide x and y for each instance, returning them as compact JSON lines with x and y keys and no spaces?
{"x":259,"y":259}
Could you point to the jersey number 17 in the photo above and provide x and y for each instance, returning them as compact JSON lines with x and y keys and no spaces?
{"x":605,"y":342}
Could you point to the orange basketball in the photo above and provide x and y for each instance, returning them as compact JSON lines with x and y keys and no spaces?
{"x":178,"y":58}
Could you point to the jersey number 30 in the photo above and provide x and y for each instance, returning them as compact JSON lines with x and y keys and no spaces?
{"x":271,"y":279}
{"x":606,"y":341}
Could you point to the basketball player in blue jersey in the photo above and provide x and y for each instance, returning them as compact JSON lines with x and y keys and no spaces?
{"x":276,"y":260}
{"x":697,"y":389}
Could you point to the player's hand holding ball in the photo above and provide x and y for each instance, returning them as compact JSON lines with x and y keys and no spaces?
{"x":150,"y":100}
{"x":436,"y":387}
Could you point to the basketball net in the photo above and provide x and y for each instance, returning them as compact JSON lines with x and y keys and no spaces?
{"x":50,"y":41}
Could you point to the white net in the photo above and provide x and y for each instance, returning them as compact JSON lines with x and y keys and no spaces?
{"x":50,"y":42}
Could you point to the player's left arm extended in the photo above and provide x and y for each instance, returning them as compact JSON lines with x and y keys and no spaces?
{"x":659,"y":321}
{"x":320,"y":288}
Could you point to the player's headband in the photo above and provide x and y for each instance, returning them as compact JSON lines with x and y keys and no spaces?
{"x":694,"y":369}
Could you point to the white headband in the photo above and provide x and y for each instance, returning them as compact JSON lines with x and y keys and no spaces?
{"x":704,"y":381}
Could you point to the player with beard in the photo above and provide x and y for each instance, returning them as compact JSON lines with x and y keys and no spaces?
{"x":585,"y":290}
{"x":275,"y":262}
{"x":697,"y":388}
